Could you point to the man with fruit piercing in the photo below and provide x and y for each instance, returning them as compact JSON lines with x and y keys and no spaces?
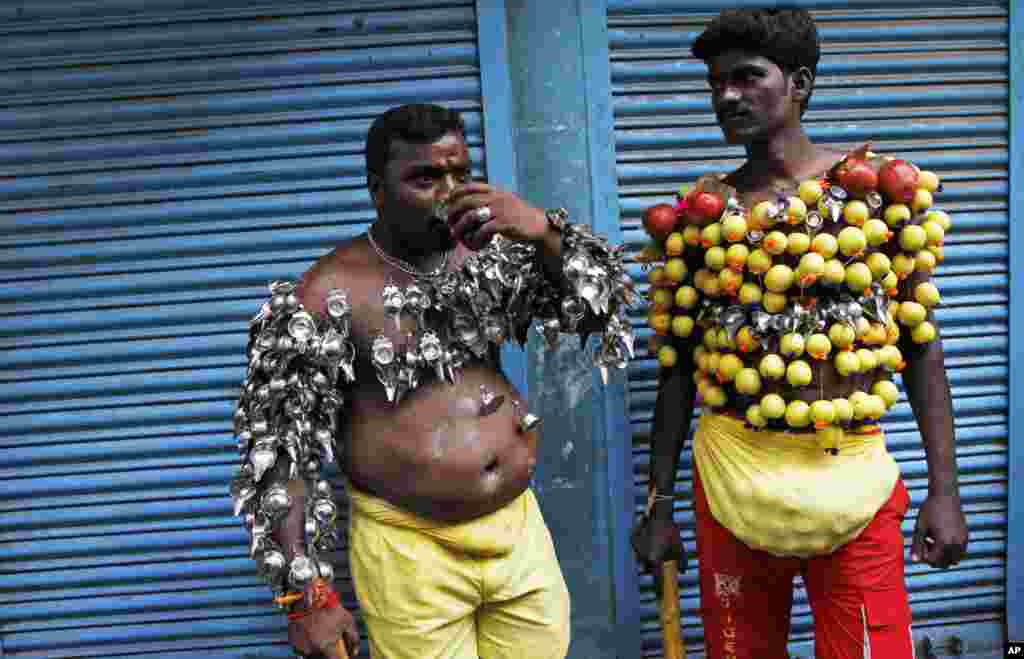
{"x":791,"y":291}
{"x":384,"y":358}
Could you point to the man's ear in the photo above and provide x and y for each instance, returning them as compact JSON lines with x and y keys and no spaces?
{"x":803,"y":84}
{"x":374,"y":183}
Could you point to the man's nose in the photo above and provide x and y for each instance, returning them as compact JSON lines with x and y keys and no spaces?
{"x":728,"y":94}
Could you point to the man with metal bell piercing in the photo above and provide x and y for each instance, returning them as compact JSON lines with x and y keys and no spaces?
{"x":384,"y":358}
{"x":806,"y":288}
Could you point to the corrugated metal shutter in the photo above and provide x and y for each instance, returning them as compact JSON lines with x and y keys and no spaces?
{"x":929,"y":83}
{"x":161,"y":162}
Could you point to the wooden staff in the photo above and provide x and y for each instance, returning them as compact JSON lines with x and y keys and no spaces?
{"x":671,"y":617}
{"x":340,"y":647}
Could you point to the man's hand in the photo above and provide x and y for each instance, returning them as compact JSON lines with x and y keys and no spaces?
{"x":320,"y":631}
{"x":510,"y":216}
{"x":940,"y":536}
{"x":655,"y":541}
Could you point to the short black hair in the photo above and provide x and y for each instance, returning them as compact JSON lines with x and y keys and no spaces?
{"x":787,"y":37}
{"x":418,"y":123}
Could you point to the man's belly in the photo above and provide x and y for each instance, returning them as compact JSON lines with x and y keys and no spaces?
{"x":444,"y":453}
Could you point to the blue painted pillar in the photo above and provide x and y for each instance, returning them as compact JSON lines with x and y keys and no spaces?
{"x":1015,"y":532}
{"x":554,"y":93}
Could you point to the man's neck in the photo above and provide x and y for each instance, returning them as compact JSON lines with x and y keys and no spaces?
{"x":418,"y":256}
{"x":788,"y":155}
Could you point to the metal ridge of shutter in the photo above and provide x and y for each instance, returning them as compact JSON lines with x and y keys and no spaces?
{"x":910,"y":91}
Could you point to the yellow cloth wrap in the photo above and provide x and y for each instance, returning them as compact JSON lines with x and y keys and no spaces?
{"x":490,"y":587}
{"x":488,"y":536}
{"x":781,"y":493}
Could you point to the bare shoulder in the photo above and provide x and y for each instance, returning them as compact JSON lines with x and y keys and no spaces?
{"x":339,"y":268}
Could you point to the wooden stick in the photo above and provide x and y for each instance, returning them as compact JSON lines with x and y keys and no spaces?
{"x":671,"y":620}
{"x":340,"y":647}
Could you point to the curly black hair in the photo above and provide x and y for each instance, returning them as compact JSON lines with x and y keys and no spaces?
{"x":419,"y":123}
{"x":787,"y":37}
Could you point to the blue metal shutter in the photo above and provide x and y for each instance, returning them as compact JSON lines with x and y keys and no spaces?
{"x":928,"y":83}
{"x":162,"y":161}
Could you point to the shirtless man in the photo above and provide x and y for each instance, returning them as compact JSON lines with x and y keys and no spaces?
{"x":448,"y":550}
{"x":769,"y":502}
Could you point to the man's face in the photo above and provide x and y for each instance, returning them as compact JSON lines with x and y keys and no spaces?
{"x":416,"y":178}
{"x":751,"y":96}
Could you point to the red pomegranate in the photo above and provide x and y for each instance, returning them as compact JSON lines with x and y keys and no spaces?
{"x":857,"y":177}
{"x":660,"y":220}
{"x":897,"y":179}
{"x":706,"y":207}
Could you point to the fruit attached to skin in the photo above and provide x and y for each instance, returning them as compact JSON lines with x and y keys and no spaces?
{"x":775,"y":242}
{"x":844,"y":411}
{"x":924,"y":332}
{"x":823,"y":413}
{"x":825,"y":244}
{"x":660,"y":220}
{"x":810,"y":192}
{"x":876,"y":232}
{"x":734,"y":227}
{"x":847,"y":363}
{"x":772,"y":367}
{"x":852,"y":241}
{"x":799,"y":373}
{"x":682,"y":326}
{"x":798,"y":414}
{"x":706,"y":206}
{"x":913,"y":238}
{"x":927,"y":294}
{"x":779,"y":278}
{"x":759,"y":261}
{"x":887,"y":390}
{"x":896,"y":214}
{"x":755,"y":417}
{"x":674,"y":244}
{"x":858,"y":277}
{"x":686,"y":297}
{"x":736,"y":256}
{"x":818,"y":346}
{"x":773,"y":406}
{"x":792,"y":345}
{"x":928,"y":180}
{"x":856,"y":213}
{"x":810,"y":268}
{"x":857,"y":176}
{"x":897,"y":179}
{"x":675,"y":270}
{"x":750,"y":294}
{"x":667,"y":356}
{"x":748,"y":381}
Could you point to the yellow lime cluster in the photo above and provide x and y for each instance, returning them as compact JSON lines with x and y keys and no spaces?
{"x":771,"y":256}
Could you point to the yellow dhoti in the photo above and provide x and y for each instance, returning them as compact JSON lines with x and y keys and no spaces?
{"x":781,"y":493}
{"x":490,"y":587}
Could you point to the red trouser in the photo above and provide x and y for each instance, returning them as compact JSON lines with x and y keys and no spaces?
{"x":857,"y":593}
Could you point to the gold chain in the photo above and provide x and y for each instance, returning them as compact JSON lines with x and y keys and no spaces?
{"x":405,"y":266}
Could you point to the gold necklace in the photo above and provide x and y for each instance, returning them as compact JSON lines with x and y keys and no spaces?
{"x":405,"y":266}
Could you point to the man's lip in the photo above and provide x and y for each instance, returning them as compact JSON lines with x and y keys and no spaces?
{"x":733,"y":116}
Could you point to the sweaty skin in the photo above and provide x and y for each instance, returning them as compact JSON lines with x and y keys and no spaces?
{"x":432,"y":454}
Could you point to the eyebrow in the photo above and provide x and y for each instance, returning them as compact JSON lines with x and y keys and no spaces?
{"x":743,"y":68}
{"x":435,"y":170}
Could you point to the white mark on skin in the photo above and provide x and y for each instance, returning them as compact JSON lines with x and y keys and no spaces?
{"x":567,"y":449}
{"x":440,"y":439}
